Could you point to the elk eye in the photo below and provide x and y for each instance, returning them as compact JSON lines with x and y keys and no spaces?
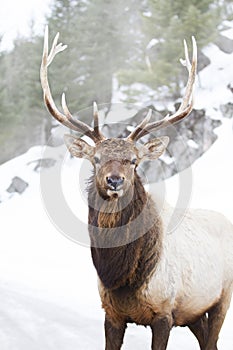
{"x":134,"y":161}
{"x":97,"y":160}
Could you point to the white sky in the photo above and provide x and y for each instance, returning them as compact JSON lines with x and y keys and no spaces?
{"x":16,"y":15}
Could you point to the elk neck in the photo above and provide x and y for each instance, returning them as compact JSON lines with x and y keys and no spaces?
{"x":126,"y":236}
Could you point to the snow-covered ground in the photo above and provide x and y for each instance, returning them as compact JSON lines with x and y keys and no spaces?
{"x":48,"y":293}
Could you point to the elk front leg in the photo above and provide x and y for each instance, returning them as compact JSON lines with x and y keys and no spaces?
{"x":113,"y":336}
{"x":161,"y":328}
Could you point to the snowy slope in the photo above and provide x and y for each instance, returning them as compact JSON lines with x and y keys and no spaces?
{"x":48,"y":293}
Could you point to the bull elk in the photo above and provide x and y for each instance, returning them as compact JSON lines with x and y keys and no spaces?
{"x":147,"y":276}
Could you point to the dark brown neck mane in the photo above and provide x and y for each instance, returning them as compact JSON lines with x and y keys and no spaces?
{"x":122,"y":255}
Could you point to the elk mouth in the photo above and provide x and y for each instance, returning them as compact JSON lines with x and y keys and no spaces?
{"x":115,"y":193}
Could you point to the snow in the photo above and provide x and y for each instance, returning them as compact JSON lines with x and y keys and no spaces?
{"x":48,"y":290}
{"x":49,"y":298}
{"x":193,"y":144}
{"x":228,"y":33}
{"x":211,"y":87}
{"x":226,"y":24}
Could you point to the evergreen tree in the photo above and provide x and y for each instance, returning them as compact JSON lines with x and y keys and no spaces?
{"x":168,"y":23}
{"x":227,"y":10}
{"x":20,"y":97}
{"x":99,"y":37}
{"x":104,"y":37}
{"x":2,"y":88}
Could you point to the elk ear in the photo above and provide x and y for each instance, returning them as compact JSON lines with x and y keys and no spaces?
{"x":154,"y":148}
{"x":78,"y":147}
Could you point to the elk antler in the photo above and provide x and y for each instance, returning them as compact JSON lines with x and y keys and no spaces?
{"x":66,"y":119}
{"x":186,"y":106}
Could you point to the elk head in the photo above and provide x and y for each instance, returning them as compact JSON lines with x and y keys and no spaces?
{"x":114,"y":159}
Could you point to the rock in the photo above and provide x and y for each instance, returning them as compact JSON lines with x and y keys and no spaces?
{"x":188,"y":141}
{"x":225,"y":41}
{"x":230,"y":87}
{"x":17,"y":185}
{"x":227,"y":110}
{"x":203,"y":61}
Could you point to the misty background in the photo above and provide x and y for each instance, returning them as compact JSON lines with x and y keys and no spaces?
{"x":117,"y":52}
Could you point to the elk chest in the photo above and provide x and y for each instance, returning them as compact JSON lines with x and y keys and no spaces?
{"x":126,"y":305}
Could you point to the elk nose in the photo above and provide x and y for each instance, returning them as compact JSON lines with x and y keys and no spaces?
{"x":114,"y":181}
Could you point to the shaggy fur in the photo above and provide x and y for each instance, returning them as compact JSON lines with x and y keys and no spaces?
{"x":124,"y":260}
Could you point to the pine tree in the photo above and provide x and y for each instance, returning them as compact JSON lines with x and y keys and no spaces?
{"x":20,"y":97}
{"x":99,"y":37}
{"x":3,"y":97}
{"x":168,"y":23}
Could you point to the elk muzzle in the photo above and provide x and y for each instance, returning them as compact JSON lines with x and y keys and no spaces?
{"x":115,"y":182}
{"x":114,"y":177}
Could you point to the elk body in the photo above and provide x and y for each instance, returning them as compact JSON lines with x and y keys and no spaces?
{"x":147,"y":276}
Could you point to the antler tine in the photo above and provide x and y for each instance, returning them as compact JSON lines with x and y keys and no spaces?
{"x":46,"y":60}
{"x":186,"y":105}
{"x":192,"y":73}
{"x":66,"y":119}
{"x":140,"y":127}
{"x":78,"y":124}
{"x":56,"y":48}
{"x":96,"y":119}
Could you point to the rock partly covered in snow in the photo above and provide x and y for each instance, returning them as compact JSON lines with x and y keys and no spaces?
{"x":198,"y":129}
{"x":17,"y":185}
{"x":225,"y":40}
{"x":194,"y":135}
